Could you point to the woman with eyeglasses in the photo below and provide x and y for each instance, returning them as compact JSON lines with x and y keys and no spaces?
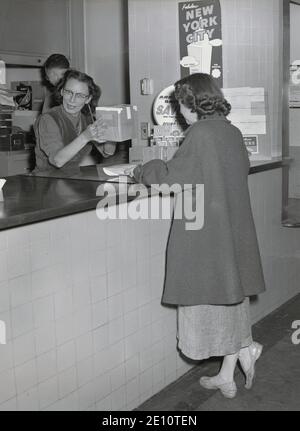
{"x":68,"y":132}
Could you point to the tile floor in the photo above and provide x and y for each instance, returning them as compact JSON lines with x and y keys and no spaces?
{"x":277,"y":385}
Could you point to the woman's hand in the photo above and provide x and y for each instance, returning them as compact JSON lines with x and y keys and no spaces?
{"x":96,"y":131}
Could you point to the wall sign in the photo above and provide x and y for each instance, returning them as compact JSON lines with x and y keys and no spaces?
{"x":251,"y":143}
{"x":200,"y":34}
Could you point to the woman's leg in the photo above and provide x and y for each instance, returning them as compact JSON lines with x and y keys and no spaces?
{"x":224,"y":380}
{"x":226,"y":372}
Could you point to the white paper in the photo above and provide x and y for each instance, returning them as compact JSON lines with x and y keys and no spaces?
{"x":117,"y":170}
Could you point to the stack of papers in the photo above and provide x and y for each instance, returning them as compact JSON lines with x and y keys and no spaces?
{"x":248,"y":109}
{"x":118,"y":170}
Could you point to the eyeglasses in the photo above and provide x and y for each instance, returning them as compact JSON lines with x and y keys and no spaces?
{"x":77,"y":96}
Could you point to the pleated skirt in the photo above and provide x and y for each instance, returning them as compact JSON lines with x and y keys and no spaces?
{"x":204,"y":331}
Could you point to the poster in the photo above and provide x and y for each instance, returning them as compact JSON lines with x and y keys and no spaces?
{"x":200,"y":34}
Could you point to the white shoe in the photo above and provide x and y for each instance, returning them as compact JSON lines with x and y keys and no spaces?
{"x":255,"y":350}
{"x":229,"y":389}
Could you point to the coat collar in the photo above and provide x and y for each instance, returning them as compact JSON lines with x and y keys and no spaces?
{"x":214,"y":116}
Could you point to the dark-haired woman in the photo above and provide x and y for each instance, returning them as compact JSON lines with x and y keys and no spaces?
{"x":64,"y":133}
{"x":210,"y":273}
{"x":53,"y":71}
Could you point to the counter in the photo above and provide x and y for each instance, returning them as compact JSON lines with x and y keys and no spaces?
{"x":30,"y":199}
{"x":80,"y":297}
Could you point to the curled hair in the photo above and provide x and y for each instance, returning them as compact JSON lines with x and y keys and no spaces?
{"x":94,"y":90}
{"x":200,"y":94}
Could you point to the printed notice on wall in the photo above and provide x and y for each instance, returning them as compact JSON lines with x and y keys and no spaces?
{"x":200,"y":35}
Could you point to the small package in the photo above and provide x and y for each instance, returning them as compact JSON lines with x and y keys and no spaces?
{"x":121,"y":122}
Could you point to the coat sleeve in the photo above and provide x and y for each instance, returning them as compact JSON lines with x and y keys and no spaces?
{"x":49,"y":136}
{"x":184,"y":168}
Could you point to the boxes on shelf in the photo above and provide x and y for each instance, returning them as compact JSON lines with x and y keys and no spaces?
{"x":121,"y":122}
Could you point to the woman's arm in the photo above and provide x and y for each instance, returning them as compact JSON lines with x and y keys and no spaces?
{"x":50,"y":140}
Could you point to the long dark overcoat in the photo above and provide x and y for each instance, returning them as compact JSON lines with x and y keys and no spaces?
{"x":220,"y":263}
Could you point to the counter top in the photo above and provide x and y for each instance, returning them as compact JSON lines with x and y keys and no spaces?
{"x":29,"y":199}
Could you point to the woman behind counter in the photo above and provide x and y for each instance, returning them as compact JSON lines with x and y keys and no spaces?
{"x":65,"y":132}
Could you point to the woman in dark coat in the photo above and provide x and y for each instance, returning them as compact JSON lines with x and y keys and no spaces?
{"x":211,"y":272}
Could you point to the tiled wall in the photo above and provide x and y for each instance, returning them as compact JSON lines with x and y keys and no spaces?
{"x":81,"y":301}
{"x":252,"y":51}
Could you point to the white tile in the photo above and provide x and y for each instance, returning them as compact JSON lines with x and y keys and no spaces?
{"x":130,"y":300}
{"x":145,"y":341}
{"x":100,"y":314}
{"x":24,"y":348}
{"x":64,"y":328}
{"x":114,"y":257}
{"x":67,"y":382}
{"x":29,"y":400}
{"x":43,"y":311}
{"x":22,"y":319}
{"x":158,"y":372}
{"x":146,"y":360}
{"x":118,"y":377}
{"x":3,"y":265}
{"x":103,"y":405}
{"x":146,"y":381}
{"x":7,"y":385}
{"x":46,"y":365}
{"x":20,"y":290}
{"x":102,"y":362}
{"x":115,"y":306}
{"x":131,"y":345}
{"x":132,"y":390}
{"x":158,"y":351}
{"x":42,"y":283}
{"x":3,"y":239}
{"x":82,"y":321}
{"x":97,"y":263}
{"x":114,"y":283}
{"x":117,"y":354}
{"x":81,"y":294}
{"x":100,"y":338}
{"x":45,"y":339}
{"x":102,"y":387}
{"x":113,"y":233}
{"x":80,"y":266}
{"x":26,"y":376}
{"x":118,"y":399}
{"x":9,"y":406}
{"x":145,"y":315}
{"x":99,"y":288}
{"x":84,"y":346}
{"x":70,"y":402}
{"x":66,"y":356}
{"x":156,"y":331}
{"x":85,"y":371}
{"x":4,"y":297}
{"x":6,"y":356}
{"x":116,"y":330}
{"x":129,"y":274}
{"x":18,"y":261}
{"x":86,"y":395}
{"x":63,"y":303}
{"x":48,"y":392}
{"x":40,"y":254}
{"x":132,"y":367}
{"x":131,"y":322}
{"x":39,"y":232}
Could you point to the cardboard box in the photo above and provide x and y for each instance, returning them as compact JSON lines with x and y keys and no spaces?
{"x":121,"y":121}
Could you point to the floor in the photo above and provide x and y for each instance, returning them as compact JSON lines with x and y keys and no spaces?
{"x":277,"y":384}
{"x":293,"y":213}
